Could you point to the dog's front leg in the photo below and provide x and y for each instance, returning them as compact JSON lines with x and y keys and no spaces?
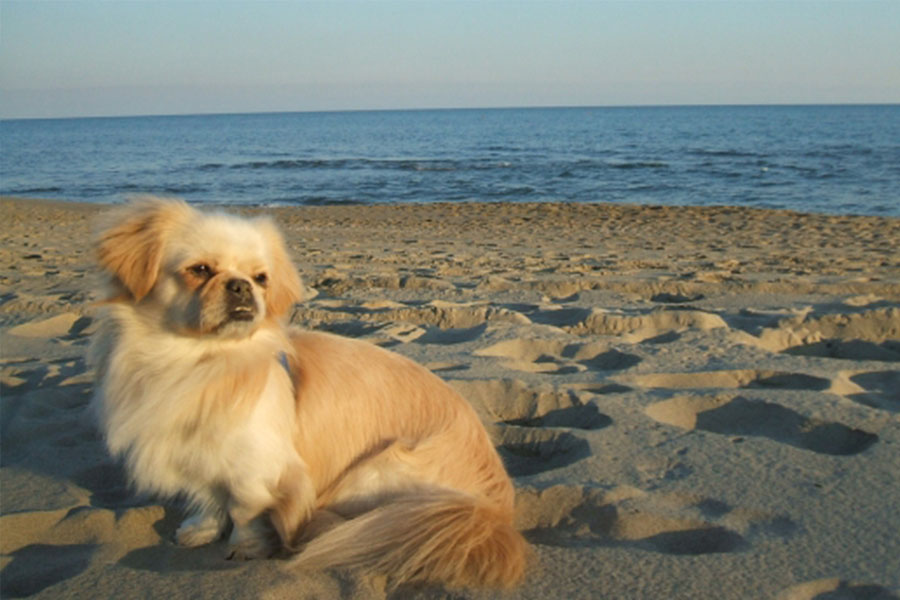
{"x":251,"y":537}
{"x":205,"y":524}
{"x":266,"y":518}
{"x":252,"y":534}
{"x":296,"y":501}
{"x":200,"y":528}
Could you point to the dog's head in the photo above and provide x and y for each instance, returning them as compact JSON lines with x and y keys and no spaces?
{"x":205,"y":274}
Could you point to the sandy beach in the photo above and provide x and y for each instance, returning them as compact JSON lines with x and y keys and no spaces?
{"x":697,"y":403}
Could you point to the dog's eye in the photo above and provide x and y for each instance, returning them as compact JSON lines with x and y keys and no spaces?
{"x":200,"y":270}
{"x":262,"y":279}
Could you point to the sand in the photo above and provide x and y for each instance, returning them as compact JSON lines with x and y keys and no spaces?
{"x":694,"y":402}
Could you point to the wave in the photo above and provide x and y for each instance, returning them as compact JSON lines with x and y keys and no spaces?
{"x":837,"y":151}
{"x":637,"y":164}
{"x":291,"y":164}
{"x":32,"y":190}
{"x":400,"y":164}
{"x":310,"y":200}
{"x":726,"y":153}
{"x":425,"y":165}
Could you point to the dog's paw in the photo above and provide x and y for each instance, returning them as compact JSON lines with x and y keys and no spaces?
{"x":198,"y":530}
{"x":254,"y":540}
{"x":245,"y":552}
{"x":251,"y":548}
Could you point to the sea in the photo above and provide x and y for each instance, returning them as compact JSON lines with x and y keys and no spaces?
{"x":834,"y":159}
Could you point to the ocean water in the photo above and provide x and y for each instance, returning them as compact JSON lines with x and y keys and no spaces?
{"x":828,"y":159}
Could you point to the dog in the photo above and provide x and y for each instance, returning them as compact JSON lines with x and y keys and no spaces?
{"x":332,"y":450}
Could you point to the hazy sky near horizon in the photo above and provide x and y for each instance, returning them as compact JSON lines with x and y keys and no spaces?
{"x":85,"y":58}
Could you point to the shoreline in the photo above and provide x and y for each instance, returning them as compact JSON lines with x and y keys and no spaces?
{"x":85,"y":205}
{"x":693,"y":402}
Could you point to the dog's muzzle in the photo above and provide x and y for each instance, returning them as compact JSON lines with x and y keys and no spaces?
{"x":241,"y":305}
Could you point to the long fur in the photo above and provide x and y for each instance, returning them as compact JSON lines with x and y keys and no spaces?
{"x":206,"y":394}
{"x":427,"y":536}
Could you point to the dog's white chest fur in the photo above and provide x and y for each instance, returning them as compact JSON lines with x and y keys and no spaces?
{"x":189,"y":419}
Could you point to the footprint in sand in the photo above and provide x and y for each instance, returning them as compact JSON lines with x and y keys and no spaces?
{"x":532,"y":423}
{"x":528,"y":451}
{"x":881,"y":389}
{"x":849,"y":350}
{"x":558,"y":357}
{"x":641,"y":326}
{"x":739,"y":416}
{"x":390,"y":323}
{"x":64,"y":543}
{"x":836,"y":589}
{"x":741,"y":378}
{"x":668,"y":298}
{"x":632,"y":326}
{"x":44,"y":407}
{"x":38,"y":566}
{"x":393,"y":334}
{"x":627,"y":517}
{"x":866,"y":335}
{"x":453,"y":335}
{"x":28,"y":375}
{"x":108,"y":486}
{"x":513,"y":402}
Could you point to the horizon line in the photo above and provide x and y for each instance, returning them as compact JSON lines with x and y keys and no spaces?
{"x":459,"y":108}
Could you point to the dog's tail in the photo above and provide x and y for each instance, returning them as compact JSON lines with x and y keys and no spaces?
{"x":445,"y":537}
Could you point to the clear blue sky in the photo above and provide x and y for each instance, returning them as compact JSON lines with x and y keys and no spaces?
{"x":78,"y":58}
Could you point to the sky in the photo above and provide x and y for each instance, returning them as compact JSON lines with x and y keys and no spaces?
{"x":109,"y":58}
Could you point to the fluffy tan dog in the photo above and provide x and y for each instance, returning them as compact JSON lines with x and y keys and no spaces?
{"x":353,"y":455}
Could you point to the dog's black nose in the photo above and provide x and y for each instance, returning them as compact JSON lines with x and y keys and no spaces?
{"x":239,"y":289}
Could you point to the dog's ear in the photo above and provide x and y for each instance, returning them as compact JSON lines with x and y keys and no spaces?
{"x":130,"y":245}
{"x":284,"y":288}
